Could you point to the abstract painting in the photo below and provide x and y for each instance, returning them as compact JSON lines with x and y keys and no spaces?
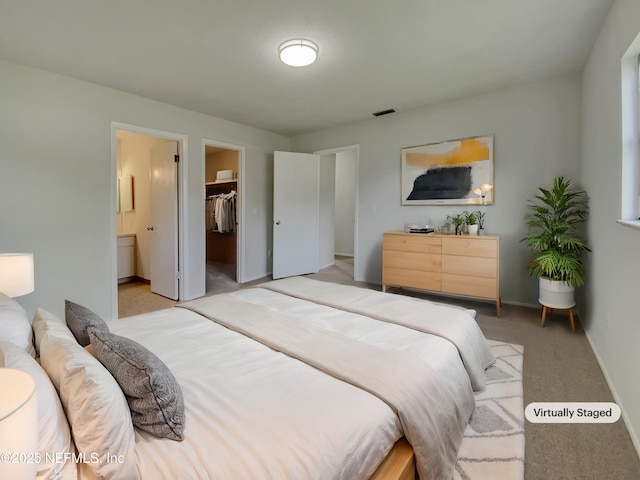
{"x":447,"y":173}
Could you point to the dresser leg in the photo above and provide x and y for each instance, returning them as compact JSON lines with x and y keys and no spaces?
{"x":498,"y":305}
{"x":384,"y":288}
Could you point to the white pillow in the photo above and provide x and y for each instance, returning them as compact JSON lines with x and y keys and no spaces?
{"x":96,"y":408}
{"x":15,"y":327}
{"x":46,"y":323}
{"x":54,"y":437}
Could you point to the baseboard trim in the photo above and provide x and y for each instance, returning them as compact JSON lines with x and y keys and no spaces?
{"x":634,"y":437}
{"x":133,"y":278}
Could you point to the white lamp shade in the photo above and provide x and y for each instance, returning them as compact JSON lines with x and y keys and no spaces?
{"x":16,"y":274}
{"x":18,"y":425}
{"x":298,"y":52}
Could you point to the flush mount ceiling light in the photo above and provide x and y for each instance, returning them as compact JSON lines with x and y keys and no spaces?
{"x":298,"y":52}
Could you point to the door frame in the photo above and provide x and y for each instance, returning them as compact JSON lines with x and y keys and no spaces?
{"x":240,"y":208}
{"x":183,"y":232}
{"x":346,"y":148}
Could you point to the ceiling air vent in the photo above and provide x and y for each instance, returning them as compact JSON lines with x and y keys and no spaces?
{"x":384,"y":112}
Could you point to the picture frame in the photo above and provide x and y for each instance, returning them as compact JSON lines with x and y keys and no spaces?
{"x":453,"y":172}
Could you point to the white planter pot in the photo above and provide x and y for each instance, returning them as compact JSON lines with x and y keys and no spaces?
{"x":555,"y":294}
{"x":473,"y":229}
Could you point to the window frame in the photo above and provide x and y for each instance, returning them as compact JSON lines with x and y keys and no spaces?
{"x":630,"y":102}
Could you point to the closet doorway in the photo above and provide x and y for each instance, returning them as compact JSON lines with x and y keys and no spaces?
{"x":223,"y":190}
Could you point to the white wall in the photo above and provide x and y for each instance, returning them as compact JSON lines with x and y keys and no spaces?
{"x":346,"y":172}
{"x":610,"y":305}
{"x":56,"y":181}
{"x":537,"y":137}
{"x":220,"y":160}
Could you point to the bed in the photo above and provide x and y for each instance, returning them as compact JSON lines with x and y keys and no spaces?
{"x":294,"y":378}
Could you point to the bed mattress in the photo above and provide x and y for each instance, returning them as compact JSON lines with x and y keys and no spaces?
{"x":259,"y":409}
{"x":255,"y":413}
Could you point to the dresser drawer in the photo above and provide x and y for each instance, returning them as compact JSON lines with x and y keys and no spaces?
{"x":412,"y":243}
{"x":461,"y":265}
{"x":412,"y":260}
{"x":472,"y":266}
{"x":467,"y":285}
{"x":411,"y":278}
{"x":471,"y":247}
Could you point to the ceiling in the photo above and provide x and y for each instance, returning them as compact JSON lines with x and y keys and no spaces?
{"x":220,"y":56}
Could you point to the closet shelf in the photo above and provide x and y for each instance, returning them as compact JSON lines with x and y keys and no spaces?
{"x":221,"y":182}
{"x":215,"y":188}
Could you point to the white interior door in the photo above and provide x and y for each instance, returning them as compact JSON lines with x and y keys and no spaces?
{"x":295,"y":214}
{"x":164,"y":220}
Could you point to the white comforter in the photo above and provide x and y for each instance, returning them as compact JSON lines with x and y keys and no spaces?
{"x":252,"y":413}
{"x":421,"y":376}
{"x":456,"y":324}
{"x":255,"y":413}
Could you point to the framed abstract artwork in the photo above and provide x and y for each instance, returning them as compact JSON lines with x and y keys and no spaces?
{"x":455,"y":172}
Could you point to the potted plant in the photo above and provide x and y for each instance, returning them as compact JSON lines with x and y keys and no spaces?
{"x":553,"y":220}
{"x":471,"y":219}
{"x":480,"y":216}
{"x":457,"y":221}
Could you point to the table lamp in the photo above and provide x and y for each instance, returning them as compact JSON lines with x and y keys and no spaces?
{"x":16,"y":274}
{"x":18,"y":425}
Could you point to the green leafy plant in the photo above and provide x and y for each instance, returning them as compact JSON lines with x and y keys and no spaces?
{"x":553,"y":220}
{"x":470,"y":218}
{"x":457,"y":221}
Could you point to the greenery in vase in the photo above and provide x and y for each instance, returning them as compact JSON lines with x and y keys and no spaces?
{"x":457,"y":221}
{"x":553,"y":219}
{"x":470,"y":218}
{"x":480,"y":216}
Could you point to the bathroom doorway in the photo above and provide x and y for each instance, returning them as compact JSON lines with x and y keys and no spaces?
{"x":147,"y":221}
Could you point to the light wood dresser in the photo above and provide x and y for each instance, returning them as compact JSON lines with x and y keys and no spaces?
{"x":466,"y":265}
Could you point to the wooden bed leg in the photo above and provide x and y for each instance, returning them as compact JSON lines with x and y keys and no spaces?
{"x":498,"y":305}
{"x":384,"y":288}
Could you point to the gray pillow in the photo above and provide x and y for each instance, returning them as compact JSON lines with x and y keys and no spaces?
{"x":80,"y":320}
{"x":154,"y":396}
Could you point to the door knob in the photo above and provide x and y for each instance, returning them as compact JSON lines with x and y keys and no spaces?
{"x":277,"y":222}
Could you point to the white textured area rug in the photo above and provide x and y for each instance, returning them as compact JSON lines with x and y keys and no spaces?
{"x":493,"y":444}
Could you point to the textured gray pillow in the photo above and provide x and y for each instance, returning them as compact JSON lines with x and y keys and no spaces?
{"x":80,"y":320}
{"x":154,"y":396}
